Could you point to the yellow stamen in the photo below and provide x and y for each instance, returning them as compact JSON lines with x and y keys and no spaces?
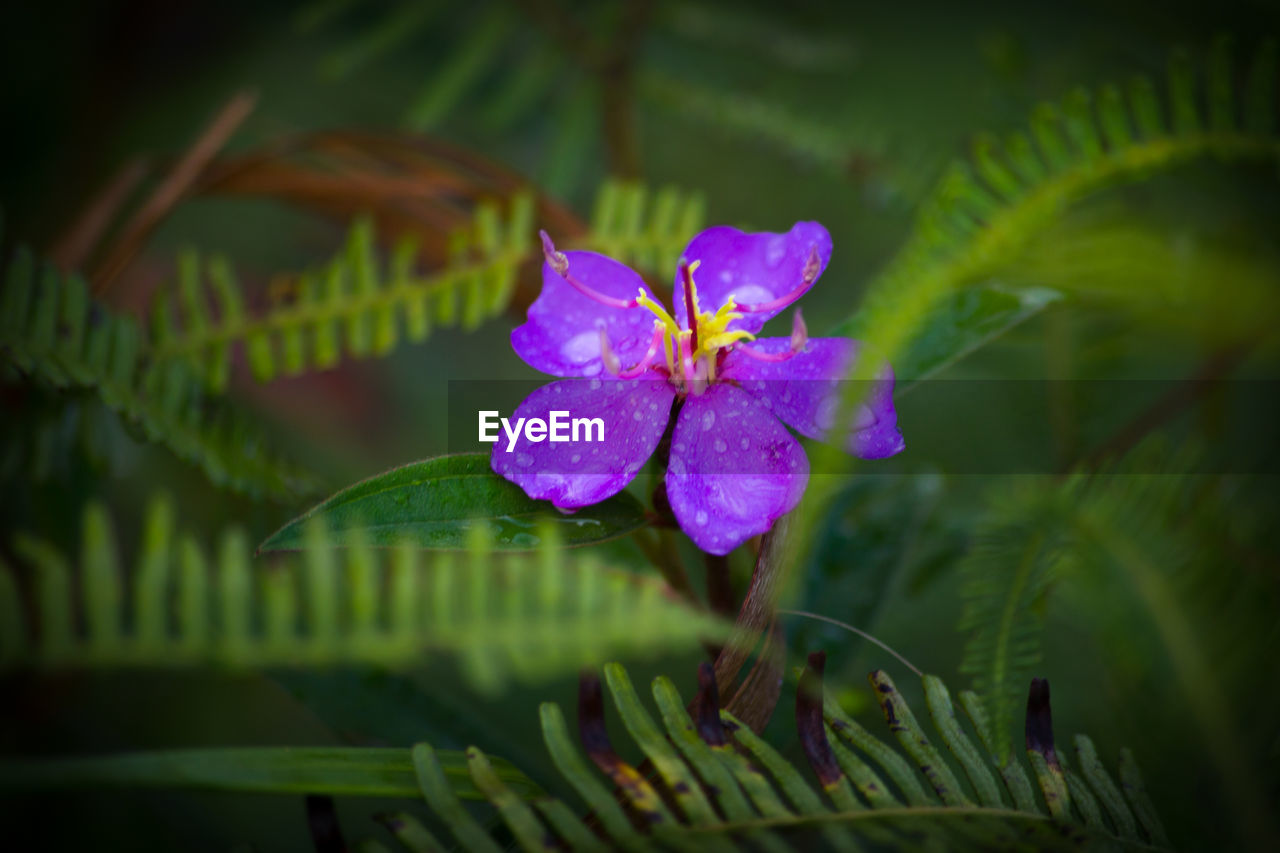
{"x":658,"y":311}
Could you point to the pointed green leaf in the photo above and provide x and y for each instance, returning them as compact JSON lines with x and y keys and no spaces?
{"x":350,"y":771}
{"x":435,"y":502}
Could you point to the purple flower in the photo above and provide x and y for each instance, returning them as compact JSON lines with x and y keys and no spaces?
{"x":733,"y":467}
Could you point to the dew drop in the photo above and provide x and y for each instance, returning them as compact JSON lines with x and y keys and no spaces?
{"x":637,"y":415}
{"x":751,"y":294}
{"x":594,"y":385}
{"x":708,"y":419}
{"x":720,"y":446}
{"x":700,"y":518}
{"x":745,"y":444}
{"x":581,"y":348}
{"x":776,"y":250}
{"x":575,"y":458}
{"x":524,"y":460}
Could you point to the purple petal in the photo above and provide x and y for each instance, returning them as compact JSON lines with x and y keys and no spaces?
{"x":752,"y":268}
{"x":561,"y":337}
{"x":733,"y":470}
{"x":574,"y":474}
{"x":804,"y":391}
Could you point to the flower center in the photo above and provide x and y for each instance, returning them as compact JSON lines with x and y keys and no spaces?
{"x":691,"y":353}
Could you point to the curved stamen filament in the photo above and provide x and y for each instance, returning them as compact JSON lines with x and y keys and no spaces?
{"x":559,"y":262}
{"x":812,"y":267}
{"x":785,"y":355}
{"x":799,"y":337}
{"x":614,"y":366}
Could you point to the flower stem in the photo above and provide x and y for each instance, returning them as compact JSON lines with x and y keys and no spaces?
{"x":755,"y":700}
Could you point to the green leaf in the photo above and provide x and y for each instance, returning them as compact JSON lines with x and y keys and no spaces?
{"x":435,"y":502}
{"x":351,"y":771}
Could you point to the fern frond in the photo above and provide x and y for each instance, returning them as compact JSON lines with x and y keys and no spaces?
{"x":989,"y":207}
{"x":715,"y":784}
{"x":644,"y":229}
{"x":53,"y":333}
{"x":1141,"y":539}
{"x":510,"y":617}
{"x":358,"y":307}
{"x":844,"y":151}
{"x":353,"y":304}
{"x":1005,"y":576}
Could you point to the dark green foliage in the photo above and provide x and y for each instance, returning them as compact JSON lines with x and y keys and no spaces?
{"x":732,"y":789}
{"x":1139,"y":540}
{"x":55,"y":335}
{"x":972,"y":225}
{"x":529,"y":618}
{"x":353,"y":305}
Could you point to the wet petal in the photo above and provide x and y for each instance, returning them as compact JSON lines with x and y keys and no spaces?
{"x":561,"y":336}
{"x":734,"y":469}
{"x":804,"y":391}
{"x":574,"y":474}
{"x":753,"y":268}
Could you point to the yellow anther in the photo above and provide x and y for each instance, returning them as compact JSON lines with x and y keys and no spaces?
{"x":722,"y":340}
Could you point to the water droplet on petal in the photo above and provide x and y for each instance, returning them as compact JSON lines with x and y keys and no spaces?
{"x":638,"y":415}
{"x":751,"y":294}
{"x":575,"y":458}
{"x":701,"y":518}
{"x":745,"y":443}
{"x":594,"y":385}
{"x":581,"y":348}
{"x":776,"y":250}
{"x":720,"y":446}
{"x":524,"y":460}
{"x":708,"y":419}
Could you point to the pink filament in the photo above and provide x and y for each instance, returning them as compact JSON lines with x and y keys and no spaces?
{"x":812,"y":267}
{"x":655,"y":346}
{"x":560,"y":264}
{"x":764,"y":356}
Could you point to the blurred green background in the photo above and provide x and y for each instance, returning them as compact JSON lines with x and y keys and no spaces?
{"x":846,"y":113}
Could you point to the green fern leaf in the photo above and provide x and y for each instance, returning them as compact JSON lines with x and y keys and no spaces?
{"x":351,"y":303}
{"x":519,"y":617}
{"x":57,"y":337}
{"x":355,"y":306}
{"x":972,"y":226}
{"x":733,"y":790}
{"x":1137,"y":531}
